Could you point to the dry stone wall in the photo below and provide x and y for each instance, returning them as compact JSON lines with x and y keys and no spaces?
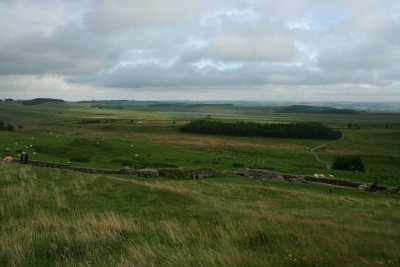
{"x":208,"y":172}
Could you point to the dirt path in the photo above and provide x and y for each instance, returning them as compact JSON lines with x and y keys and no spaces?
{"x":316,"y":156}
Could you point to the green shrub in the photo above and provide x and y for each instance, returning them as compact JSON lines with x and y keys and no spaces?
{"x":348,"y":163}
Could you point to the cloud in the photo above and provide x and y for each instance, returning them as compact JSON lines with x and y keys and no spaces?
{"x":67,"y":51}
{"x":186,"y":47}
{"x":262,"y":42}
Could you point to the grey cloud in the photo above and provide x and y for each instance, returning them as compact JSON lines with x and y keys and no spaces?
{"x":203,"y":44}
{"x":69,"y":51}
{"x":273,"y":47}
{"x":121,"y":15}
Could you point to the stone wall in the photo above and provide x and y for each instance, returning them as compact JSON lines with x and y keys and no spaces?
{"x":332,"y":181}
{"x":56,"y":165}
{"x":263,"y":174}
{"x":147,"y":173}
{"x":203,"y":173}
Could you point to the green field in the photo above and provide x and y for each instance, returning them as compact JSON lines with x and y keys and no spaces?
{"x":54,"y":217}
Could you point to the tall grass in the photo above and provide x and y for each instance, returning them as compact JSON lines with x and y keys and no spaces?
{"x":60,"y":218}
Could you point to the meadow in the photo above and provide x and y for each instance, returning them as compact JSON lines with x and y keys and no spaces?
{"x":56,"y":217}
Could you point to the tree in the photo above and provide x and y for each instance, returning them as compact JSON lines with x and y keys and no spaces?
{"x":349,"y":163}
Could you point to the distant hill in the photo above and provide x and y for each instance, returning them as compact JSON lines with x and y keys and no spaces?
{"x":107,"y":101}
{"x":38,"y":101}
{"x":313,"y":109}
{"x":166,"y":105}
{"x":209,"y":105}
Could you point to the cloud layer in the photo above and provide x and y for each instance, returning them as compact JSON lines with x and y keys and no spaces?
{"x":201,"y":49}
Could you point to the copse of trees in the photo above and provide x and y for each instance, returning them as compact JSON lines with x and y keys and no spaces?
{"x":349,"y":163}
{"x":306,"y":130}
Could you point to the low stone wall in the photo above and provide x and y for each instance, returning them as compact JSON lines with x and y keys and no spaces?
{"x":56,"y":165}
{"x":332,"y":181}
{"x":270,"y":175}
{"x":203,"y":173}
{"x":147,"y":173}
{"x":207,"y":172}
{"x":263,"y":174}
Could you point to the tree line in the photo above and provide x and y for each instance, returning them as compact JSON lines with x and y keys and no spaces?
{"x":306,"y":130}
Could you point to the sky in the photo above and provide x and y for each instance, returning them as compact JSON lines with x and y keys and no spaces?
{"x":256,"y":50}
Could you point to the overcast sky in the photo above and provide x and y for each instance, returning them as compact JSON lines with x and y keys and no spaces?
{"x":200,"y":49}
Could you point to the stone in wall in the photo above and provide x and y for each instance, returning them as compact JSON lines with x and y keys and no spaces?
{"x":393,"y":190}
{"x":148,"y":173}
{"x":203,"y":173}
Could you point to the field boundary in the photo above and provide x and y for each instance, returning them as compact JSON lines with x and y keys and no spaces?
{"x":204,"y":172}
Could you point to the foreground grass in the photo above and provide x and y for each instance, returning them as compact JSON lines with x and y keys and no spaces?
{"x":54,"y":217}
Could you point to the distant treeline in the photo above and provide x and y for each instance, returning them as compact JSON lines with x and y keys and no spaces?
{"x":94,"y":121}
{"x":309,"y":130}
{"x":38,"y":101}
{"x":312,"y":109}
{"x":107,"y":101}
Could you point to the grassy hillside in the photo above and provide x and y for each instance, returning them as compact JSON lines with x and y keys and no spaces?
{"x":145,"y":136}
{"x":60,"y":218}
{"x":54,"y":217}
